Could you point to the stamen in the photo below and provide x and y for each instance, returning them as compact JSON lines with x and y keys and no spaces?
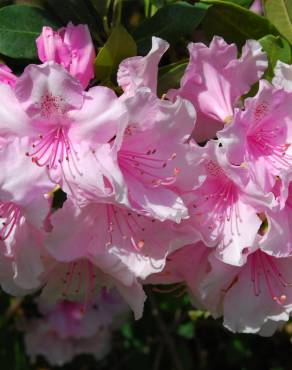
{"x":11,"y":214}
{"x":138,"y":164}
{"x":263,"y":268}
{"x":54,"y":148}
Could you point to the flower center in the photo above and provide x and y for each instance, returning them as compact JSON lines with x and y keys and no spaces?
{"x":216,"y":204}
{"x":80,"y":278}
{"x":51,"y":105}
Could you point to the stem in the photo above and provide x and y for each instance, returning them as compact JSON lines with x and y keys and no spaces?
{"x":169,"y":344}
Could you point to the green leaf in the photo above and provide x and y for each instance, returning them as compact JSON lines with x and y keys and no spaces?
{"x":235,"y":23}
{"x":170,"y":23}
{"x":277,"y":48}
{"x":20,"y":25}
{"x":82,"y":12}
{"x":244,"y":3}
{"x":120,"y":45}
{"x":169,"y":76}
{"x":279,"y":12}
{"x":186,"y":330}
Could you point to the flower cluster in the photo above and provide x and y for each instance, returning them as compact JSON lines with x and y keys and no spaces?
{"x":193,"y":187}
{"x":65,"y":330}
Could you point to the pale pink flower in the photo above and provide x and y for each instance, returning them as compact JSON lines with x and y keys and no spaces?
{"x":277,"y":239}
{"x":260,"y":136}
{"x":24,"y":206}
{"x":66,"y":329}
{"x":72,"y":47}
{"x":149,"y":155}
{"x":254,"y":298}
{"x":138,"y":72}
{"x":121,"y":244}
{"x":151,"y":148}
{"x":224,"y":207}
{"x":215,"y":80}
{"x":64,"y":124}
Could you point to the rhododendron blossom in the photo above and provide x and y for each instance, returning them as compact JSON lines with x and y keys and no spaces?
{"x":260,"y":136}
{"x":64,"y":124}
{"x":65,"y":330}
{"x":215,"y":80}
{"x":191,"y":188}
{"x":224,"y":207}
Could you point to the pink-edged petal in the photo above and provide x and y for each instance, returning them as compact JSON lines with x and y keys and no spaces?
{"x":6,"y":76}
{"x":215,"y":79}
{"x":78,"y":40}
{"x":140,"y":71}
{"x":50,"y":47}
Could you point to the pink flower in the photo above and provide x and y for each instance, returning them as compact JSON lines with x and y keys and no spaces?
{"x":64,"y":124}
{"x":150,"y":151}
{"x":123,"y":245}
{"x":185,"y":265}
{"x":215,"y":79}
{"x":66,"y":329}
{"x":137,"y":72}
{"x":224,"y":206}
{"x":254,"y":298}
{"x":260,"y":136}
{"x":72,"y":47}
{"x":23,"y":209}
{"x":149,"y":154}
{"x":6,"y":75}
{"x":277,"y":239}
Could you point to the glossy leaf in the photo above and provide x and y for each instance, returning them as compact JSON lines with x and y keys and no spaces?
{"x":235,"y":23}
{"x":279,"y":12}
{"x":244,"y":3}
{"x":277,"y":48}
{"x":20,"y":25}
{"x":120,"y":45}
{"x":170,"y":76}
{"x":170,"y":23}
{"x":77,"y":11}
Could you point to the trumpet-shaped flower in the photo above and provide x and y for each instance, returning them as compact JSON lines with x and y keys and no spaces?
{"x":215,"y":79}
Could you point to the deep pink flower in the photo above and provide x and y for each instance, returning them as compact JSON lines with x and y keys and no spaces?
{"x":72,"y":47}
